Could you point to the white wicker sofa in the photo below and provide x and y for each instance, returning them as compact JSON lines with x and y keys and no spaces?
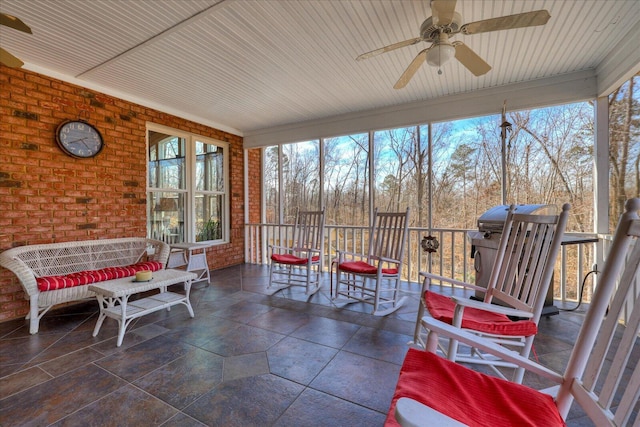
{"x":34,"y":263}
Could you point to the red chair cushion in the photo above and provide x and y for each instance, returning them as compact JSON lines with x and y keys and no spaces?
{"x":361,"y":267}
{"x":292,"y":259}
{"x":470,"y":397}
{"x":441,"y":307}
{"x":51,"y":283}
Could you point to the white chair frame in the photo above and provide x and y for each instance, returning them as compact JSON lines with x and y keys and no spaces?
{"x":602,"y":376}
{"x":521,"y":285}
{"x":385,"y":255}
{"x":304,"y":260}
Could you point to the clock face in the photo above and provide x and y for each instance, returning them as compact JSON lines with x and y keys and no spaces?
{"x":79,"y":139}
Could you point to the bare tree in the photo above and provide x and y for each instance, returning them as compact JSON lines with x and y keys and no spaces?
{"x":346,"y":180}
{"x":624,"y":138}
{"x":557,"y":155}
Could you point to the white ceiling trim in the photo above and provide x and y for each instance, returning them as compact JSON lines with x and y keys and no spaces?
{"x":536,"y":93}
{"x":621,"y":64}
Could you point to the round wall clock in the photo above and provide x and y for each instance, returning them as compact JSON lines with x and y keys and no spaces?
{"x":79,"y":139}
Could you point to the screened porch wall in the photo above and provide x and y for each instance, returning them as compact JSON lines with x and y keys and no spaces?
{"x":452,"y":259}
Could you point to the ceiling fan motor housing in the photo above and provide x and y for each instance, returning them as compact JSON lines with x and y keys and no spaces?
{"x":430,"y":32}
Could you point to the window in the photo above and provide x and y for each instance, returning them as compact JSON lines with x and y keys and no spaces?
{"x":187,"y":197}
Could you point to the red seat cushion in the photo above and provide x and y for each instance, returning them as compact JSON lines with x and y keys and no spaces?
{"x":147,"y":265}
{"x":362,"y":267}
{"x":470,"y":397}
{"x":292,"y":259}
{"x":441,"y":307}
{"x":51,"y":283}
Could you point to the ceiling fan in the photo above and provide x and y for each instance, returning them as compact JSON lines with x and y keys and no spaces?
{"x":11,"y":21}
{"x":446,"y":22}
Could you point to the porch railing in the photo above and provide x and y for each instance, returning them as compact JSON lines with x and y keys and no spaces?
{"x":452,"y":259}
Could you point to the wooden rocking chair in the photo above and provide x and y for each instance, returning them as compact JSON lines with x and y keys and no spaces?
{"x":300,"y":264}
{"x":602,"y":375}
{"x":374,"y":277}
{"x":520,"y":278}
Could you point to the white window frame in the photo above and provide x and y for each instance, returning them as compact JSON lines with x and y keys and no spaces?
{"x":190,"y":177}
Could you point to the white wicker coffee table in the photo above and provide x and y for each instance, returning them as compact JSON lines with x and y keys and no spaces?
{"x":113,"y":297}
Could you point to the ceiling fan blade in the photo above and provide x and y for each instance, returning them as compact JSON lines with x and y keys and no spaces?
{"x":389,"y":48}
{"x":13,"y":22}
{"x":470,"y":59}
{"x":442,"y":11}
{"x":411,"y":69}
{"x":520,"y":20}
{"x":9,"y":60}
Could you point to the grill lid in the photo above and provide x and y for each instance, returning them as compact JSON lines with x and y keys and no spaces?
{"x":492,"y":220}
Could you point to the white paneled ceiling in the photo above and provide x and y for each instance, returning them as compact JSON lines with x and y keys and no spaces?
{"x":251,"y":65}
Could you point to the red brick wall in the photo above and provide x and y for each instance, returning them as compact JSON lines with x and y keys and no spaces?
{"x":254,"y":172}
{"x":47,"y":196}
{"x":255,"y":185}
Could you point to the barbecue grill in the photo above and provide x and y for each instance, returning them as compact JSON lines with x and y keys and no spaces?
{"x":492,"y":221}
{"x":485,"y":241}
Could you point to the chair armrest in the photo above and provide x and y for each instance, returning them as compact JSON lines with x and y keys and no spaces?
{"x":284,"y":248}
{"x":161,"y":251}
{"x":340,"y":255}
{"x":411,"y":413}
{"x":24,"y":274}
{"x":432,"y":276}
{"x":508,"y":311}
{"x":388,"y":260}
{"x":309,"y":250}
{"x":441,"y":328}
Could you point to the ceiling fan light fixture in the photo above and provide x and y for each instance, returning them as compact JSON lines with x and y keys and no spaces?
{"x":440,"y":54}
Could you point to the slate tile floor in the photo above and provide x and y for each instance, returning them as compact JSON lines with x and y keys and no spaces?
{"x":246,"y":359}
